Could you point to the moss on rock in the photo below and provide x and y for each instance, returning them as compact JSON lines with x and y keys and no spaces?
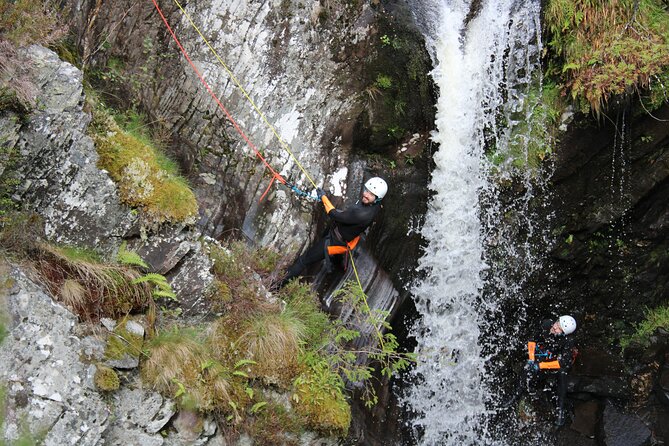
{"x":106,"y":379}
{"x":127,"y":339}
{"x":146,"y":179}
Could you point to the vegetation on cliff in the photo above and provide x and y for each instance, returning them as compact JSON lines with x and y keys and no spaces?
{"x":602,"y":49}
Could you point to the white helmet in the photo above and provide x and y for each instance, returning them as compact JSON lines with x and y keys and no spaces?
{"x":567,"y":324}
{"x":377,"y":186}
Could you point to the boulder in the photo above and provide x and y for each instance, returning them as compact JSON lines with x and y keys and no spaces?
{"x":586,"y":415}
{"x":622,"y":429}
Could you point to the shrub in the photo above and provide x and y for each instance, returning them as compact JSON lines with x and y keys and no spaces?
{"x":654,"y":319}
{"x":106,"y":379}
{"x":319,"y":398}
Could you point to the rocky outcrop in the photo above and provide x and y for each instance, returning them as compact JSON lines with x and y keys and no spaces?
{"x":49,"y":389}
{"x":56,"y":167}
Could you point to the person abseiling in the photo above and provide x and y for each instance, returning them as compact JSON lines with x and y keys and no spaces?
{"x":551,"y":350}
{"x":344,"y":232}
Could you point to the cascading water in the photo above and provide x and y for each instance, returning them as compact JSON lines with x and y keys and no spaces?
{"x":485,"y":53}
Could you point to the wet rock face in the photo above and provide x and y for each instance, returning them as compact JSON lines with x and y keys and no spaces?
{"x":306,"y":65}
{"x":620,"y":429}
{"x":609,"y":263}
{"x":611,"y":185}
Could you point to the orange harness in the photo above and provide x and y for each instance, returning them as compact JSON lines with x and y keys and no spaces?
{"x":337,"y":249}
{"x":545,"y":365}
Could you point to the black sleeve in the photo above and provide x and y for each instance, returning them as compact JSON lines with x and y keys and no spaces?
{"x":349,"y":216}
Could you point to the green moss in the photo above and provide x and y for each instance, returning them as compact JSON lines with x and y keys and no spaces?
{"x":600,"y":49}
{"x":146,"y":180}
{"x":76,"y":254}
{"x":319,"y":398}
{"x":122,"y":342}
{"x":219,"y":295}
{"x":106,"y":379}
{"x":534,"y":133}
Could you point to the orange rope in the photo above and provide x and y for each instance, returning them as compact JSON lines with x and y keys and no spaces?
{"x":275,"y":175}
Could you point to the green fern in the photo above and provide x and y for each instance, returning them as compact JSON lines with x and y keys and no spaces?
{"x":167,"y":294}
{"x":131,"y":258}
{"x":153,"y":278}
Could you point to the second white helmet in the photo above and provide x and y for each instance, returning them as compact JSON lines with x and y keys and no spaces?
{"x":377,"y":186}
{"x":567,"y":324}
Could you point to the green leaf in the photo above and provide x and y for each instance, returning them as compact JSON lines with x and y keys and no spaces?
{"x":167,"y":294}
{"x":240,"y":373}
{"x":244,"y":362}
{"x":258,"y":406}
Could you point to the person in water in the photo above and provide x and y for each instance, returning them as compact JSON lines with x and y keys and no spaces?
{"x":551,"y":351}
{"x":344,"y":231}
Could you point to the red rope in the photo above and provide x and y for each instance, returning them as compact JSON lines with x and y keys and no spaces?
{"x":275,"y":174}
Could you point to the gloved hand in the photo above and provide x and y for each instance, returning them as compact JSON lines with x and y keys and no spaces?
{"x":319,"y":193}
{"x":532,"y":365}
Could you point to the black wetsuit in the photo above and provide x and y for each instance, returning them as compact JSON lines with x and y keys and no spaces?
{"x":346,"y":225}
{"x":550,"y":348}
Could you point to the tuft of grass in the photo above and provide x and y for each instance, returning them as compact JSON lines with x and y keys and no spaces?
{"x":179,"y":366}
{"x":302,"y":302}
{"x":319,"y":398}
{"x":106,"y":379}
{"x":601,"y":49}
{"x":654,"y":318}
{"x":273,"y":341}
{"x":146,"y":179}
{"x":109,"y":289}
{"x":72,"y":293}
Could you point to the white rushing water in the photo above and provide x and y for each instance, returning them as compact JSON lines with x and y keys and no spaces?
{"x":478,"y":66}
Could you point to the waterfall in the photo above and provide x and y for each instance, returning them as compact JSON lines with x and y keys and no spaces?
{"x":485,"y":53}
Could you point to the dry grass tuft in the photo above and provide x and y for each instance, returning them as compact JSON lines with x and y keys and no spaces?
{"x":72,"y":293}
{"x":180,"y":367}
{"x":273,"y":341}
{"x":108,"y":291}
